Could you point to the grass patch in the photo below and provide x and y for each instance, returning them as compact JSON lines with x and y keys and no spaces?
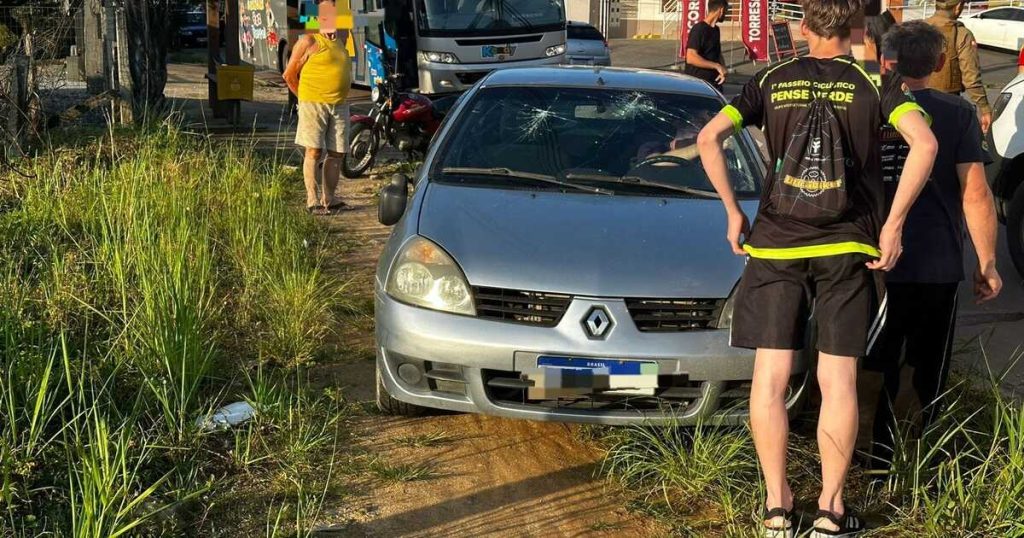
{"x":962,"y":476}
{"x":400,"y":472}
{"x":423,"y":440}
{"x":146,"y":279}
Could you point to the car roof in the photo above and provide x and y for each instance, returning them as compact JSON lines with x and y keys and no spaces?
{"x":599,"y":77}
{"x":1016,"y":8}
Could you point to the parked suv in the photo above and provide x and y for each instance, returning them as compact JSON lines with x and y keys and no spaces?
{"x":1006,"y":173}
{"x":585,"y":45}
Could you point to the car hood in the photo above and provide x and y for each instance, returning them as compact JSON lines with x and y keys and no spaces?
{"x":583,"y":244}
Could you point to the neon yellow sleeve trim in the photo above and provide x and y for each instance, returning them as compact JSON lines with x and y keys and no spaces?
{"x":898,"y":112}
{"x":812,"y":251}
{"x":735,"y":116}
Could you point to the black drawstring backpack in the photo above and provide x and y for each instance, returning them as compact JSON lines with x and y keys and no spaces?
{"x":811,"y":178}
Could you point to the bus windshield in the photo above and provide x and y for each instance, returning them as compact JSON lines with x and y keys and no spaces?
{"x":445,"y":18}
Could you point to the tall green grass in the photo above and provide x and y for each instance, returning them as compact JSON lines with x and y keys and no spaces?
{"x":962,"y":476}
{"x":143,"y":275}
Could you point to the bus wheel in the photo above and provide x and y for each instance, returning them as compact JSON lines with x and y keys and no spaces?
{"x":361,"y":152}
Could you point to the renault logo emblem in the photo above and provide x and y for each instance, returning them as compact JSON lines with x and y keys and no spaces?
{"x":597,"y":323}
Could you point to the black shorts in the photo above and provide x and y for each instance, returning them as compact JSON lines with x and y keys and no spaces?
{"x":776,"y":298}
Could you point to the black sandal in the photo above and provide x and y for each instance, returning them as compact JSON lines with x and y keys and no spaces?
{"x":848,"y":523}
{"x":787,"y":531}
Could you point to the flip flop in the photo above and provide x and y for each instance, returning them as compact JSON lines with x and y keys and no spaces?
{"x":848,"y":525}
{"x":788,"y":528}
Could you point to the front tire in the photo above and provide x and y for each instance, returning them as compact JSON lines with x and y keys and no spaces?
{"x":362,"y":151}
{"x":1015,"y":229}
{"x":391,"y":406}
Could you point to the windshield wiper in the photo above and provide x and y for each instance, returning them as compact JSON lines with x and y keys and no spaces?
{"x":642,"y":182}
{"x":506,"y":172}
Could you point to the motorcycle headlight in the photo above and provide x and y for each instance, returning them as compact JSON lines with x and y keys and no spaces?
{"x":439,"y":57}
{"x":375,"y":94}
{"x":725,"y":318}
{"x":555,"y":50}
{"x":425,"y":275}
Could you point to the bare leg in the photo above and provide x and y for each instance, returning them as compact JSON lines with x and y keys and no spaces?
{"x":837,"y":427}
{"x":769,"y":423}
{"x":332,"y":173}
{"x":311,"y":174}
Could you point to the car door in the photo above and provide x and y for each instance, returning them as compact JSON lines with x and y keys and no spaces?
{"x":1015,"y":30}
{"x":993,"y":27}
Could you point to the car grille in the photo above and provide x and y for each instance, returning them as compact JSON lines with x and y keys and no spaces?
{"x":674,"y":315}
{"x":528,"y":307}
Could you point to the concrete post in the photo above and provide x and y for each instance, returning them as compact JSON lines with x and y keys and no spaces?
{"x":92,"y":48}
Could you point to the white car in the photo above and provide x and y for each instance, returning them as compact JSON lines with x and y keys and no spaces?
{"x":1001,"y":27}
{"x":1006,"y":173}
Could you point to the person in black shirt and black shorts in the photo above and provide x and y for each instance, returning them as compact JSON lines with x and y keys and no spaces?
{"x":819,"y":242}
{"x":704,"y":46}
{"x":922,"y":289}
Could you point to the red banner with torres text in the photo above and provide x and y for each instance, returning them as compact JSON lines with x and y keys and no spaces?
{"x":755,"y":27}
{"x":692,"y":13}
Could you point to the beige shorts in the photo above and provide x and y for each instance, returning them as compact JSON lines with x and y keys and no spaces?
{"x":323,"y":126}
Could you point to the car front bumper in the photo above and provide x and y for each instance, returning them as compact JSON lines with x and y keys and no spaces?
{"x":463,"y":363}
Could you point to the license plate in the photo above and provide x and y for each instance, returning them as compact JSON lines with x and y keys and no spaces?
{"x":561,"y":377}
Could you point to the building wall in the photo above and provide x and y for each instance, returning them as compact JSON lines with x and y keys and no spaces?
{"x":579,"y":10}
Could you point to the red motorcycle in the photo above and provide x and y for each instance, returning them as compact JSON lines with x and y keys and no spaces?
{"x":403,"y":120}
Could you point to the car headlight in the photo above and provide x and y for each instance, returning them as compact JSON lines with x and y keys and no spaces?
{"x":725,"y":318}
{"x":1000,"y":105}
{"x":439,"y":57}
{"x":425,"y":275}
{"x":555,"y":50}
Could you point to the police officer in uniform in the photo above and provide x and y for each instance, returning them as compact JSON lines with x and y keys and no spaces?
{"x":961,"y":71}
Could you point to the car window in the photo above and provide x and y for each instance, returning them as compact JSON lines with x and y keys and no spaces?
{"x":1018,"y":15}
{"x":998,"y":14}
{"x":583,"y":32}
{"x":566,"y":133}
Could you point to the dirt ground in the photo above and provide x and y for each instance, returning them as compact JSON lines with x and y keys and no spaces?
{"x":483,"y":476}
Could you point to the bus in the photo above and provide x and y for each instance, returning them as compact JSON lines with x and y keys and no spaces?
{"x":447,"y":45}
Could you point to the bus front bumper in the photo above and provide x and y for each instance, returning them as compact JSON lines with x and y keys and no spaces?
{"x":438,"y":78}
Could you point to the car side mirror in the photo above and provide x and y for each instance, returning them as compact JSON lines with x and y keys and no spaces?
{"x":393,"y":199}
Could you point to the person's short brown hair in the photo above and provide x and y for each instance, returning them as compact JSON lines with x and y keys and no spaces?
{"x":830,"y":18}
{"x":915,"y":47}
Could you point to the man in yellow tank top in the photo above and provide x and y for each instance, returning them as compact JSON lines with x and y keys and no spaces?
{"x":319,"y":73}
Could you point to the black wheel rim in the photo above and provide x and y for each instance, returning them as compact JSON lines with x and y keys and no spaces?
{"x":362,"y":149}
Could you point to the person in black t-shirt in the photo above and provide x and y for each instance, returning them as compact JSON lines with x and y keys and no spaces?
{"x":829,"y":263}
{"x":922,"y":288}
{"x":704,"y":46}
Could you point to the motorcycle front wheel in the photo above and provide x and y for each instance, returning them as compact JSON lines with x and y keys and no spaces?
{"x":361,"y":152}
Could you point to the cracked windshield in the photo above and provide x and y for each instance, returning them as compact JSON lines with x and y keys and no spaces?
{"x":604,"y":141}
{"x":475,"y":15}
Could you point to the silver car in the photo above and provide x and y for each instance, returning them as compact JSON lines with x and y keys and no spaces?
{"x":584,"y":45}
{"x":563,"y":256}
